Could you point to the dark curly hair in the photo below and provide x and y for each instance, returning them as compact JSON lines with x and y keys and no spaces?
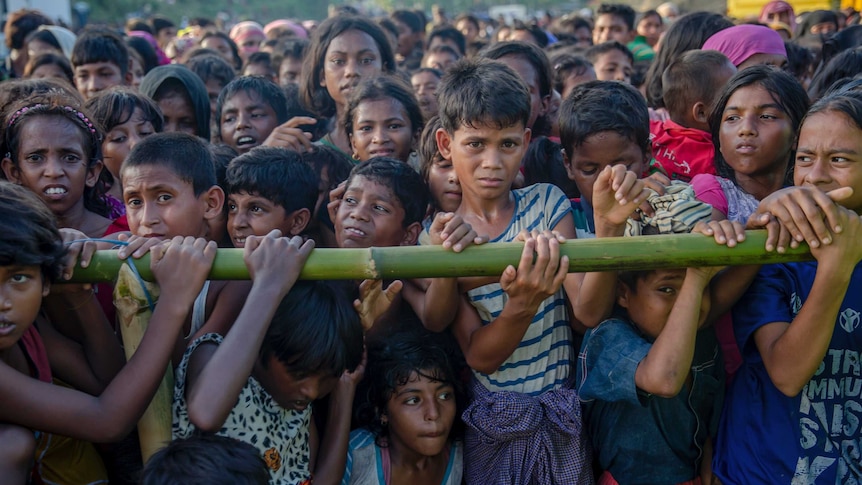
{"x":30,"y":236}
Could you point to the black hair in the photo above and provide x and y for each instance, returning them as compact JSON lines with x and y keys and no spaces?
{"x":116,"y":106}
{"x":450,"y":33}
{"x":259,"y":57}
{"x":624,"y":12}
{"x":20,"y":23}
{"x":43,"y":35}
{"x":222,"y":156}
{"x":570,"y":24}
{"x":100,"y":45}
{"x":648,"y":14}
{"x":30,"y":236}
{"x":800,"y":60}
{"x":160,"y":22}
{"x":598,"y":106}
{"x":813,"y":18}
{"x":844,"y":65}
{"x":145,"y":50}
{"x":468,"y":18}
{"x":337,"y":167}
{"x":691,"y":78}
{"x":294,"y":49}
{"x":389,"y":26}
{"x":138,"y":24}
{"x":53,"y":105}
{"x":211,"y":67}
{"x":408,"y":18}
{"x":277,"y":174}
{"x":237,"y":60}
{"x":13,"y":90}
{"x":314,"y":96}
{"x":530,"y":53}
{"x":429,"y":154}
{"x":444,"y":49}
{"x":405,"y":183}
{"x":51,"y":59}
{"x":543,"y":163}
{"x":315,"y":331}
{"x":566,"y":64}
{"x":847,"y":102}
{"x":394,"y":362}
{"x":421,"y":70}
{"x":686,"y":33}
{"x":206,"y":459}
{"x":296,"y":108}
{"x":535,"y":31}
{"x":257,"y":86}
{"x":784,"y":89}
{"x":592,"y":54}
{"x":843,"y":40}
{"x":187,"y":156}
{"x":482,"y":92}
{"x":379,"y":88}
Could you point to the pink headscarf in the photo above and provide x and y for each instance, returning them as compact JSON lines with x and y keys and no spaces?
{"x":244,"y":29}
{"x":298,"y":30}
{"x":740,"y":42}
{"x":778,"y":6}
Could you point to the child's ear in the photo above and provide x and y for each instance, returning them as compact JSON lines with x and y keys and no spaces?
{"x":213,"y":199}
{"x":444,"y":143}
{"x":528,"y":135}
{"x":411,"y":234}
{"x":13,"y":174}
{"x":297,"y":221}
{"x":568,"y":164}
{"x":46,"y":287}
{"x":699,"y":113}
{"x":623,"y":294}
{"x":93,"y":173}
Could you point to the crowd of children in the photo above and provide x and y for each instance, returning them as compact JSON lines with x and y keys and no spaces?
{"x":363,"y":132}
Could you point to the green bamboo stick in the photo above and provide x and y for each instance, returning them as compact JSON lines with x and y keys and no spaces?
{"x":607,"y":254}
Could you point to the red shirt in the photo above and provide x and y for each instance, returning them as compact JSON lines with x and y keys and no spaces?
{"x":682,"y":152}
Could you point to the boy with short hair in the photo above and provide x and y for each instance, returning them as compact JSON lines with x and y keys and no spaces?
{"x":100,"y":60}
{"x":269,"y":188}
{"x":169,"y":188}
{"x":216,"y":73}
{"x":516,"y":335}
{"x":682,"y":145}
{"x":612,"y":61}
{"x":249,"y":108}
{"x":616,"y":22}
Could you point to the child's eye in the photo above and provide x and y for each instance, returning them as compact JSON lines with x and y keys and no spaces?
{"x":228,"y":119}
{"x":258,"y":115}
{"x":337,"y":62}
{"x":840,"y":160}
{"x":367,"y":60}
{"x":256,"y":209}
{"x":164,"y":198}
{"x":411,"y":400}
{"x":350,"y":200}
{"x":380,"y":208}
{"x":231,"y":207}
{"x":363,"y":129}
{"x":509,"y":144}
{"x":71,"y":158}
{"x":731,"y":118}
{"x":33,"y":158}
{"x":395,"y":126}
{"x":768,"y":116}
{"x":803,"y":159}
{"x":20,"y":278}
{"x":133,"y":202}
{"x":445,"y":396}
{"x":144,"y":133}
{"x":667,"y":290}
{"x":118,"y":139}
{"x":475,"y":145}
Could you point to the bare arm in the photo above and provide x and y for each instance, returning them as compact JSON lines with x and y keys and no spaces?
{"x":487,"y":347}
{"x":332,"y":457}
{"x":216,"y":378}
{"x":667,"y":364}
{"x":112,"y":415}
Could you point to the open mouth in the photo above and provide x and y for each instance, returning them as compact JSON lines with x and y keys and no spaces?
{"x":55,"y":191}
{"x":245,"y":141}
{"x":352,"y":231}
{"x":239,"y":241}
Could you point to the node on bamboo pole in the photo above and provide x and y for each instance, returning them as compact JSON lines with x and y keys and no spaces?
{"x":133,"y":310}
{"x":606,"y":254}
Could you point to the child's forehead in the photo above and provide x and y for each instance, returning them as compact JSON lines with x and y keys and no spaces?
{"x":606,"y":146}
{"x":154,"y":175}
{"x":485,"y":128}
{"x":663,"y":275}
{"x":372,"y":185}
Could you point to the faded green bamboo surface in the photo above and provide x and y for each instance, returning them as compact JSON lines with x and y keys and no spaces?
{"x":608,"y":254}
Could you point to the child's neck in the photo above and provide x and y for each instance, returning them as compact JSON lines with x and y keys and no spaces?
{"x":488,"y":216}
{"x":337,"y":136}
{"x":407,"y":463}
{"x":78,"y":217}
{"x":760,"y":185}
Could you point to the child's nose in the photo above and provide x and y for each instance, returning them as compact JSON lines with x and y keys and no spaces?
{"x":747,"y":126}
{"x":53,"y":167}
{"x":379,"y":136}
{"x":432,"y":410}
{"x":817,"y":173}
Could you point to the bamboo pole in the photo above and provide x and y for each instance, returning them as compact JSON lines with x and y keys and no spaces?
{"x":607,"y":254}
{"x":154,"y":427}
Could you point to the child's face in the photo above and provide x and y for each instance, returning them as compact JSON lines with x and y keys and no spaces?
{"x":254,"y":215}
{"x":649,"y":306}
{"x":371,"y":215}
{"x":599,"y":150}
{"x":55,"y":167}
{"x":52,"y":71}
{"x":97,"y":76}
{"x":159,"y":204}
{"x":350,"y":57}
{"x":576,"y":78}
{"x":122,"y":138}
{"x":246,"y":121}
{"x":611,"y":27}
{"x":528,"y":74}
{"x":214,"y":87}
{"x":651,"y":28}
{"x":439,"y":60}
{"x":137,"y":71}
{"x":830,"y":155}
{"x":420,"y":414}
{"x":381,"y":128}
{"x":444,"y":186}
{"x":613,"y":65}
{"x":289,"y":71}
{"x":221,"y":46}
{"x":486,"y":159}
{"x":179,"y":114}
{"x":425,"y":87}
{"x":21,"y":291}
{"x":250,"y":45}
{"x":756,"y":135}
{"x":289,"y":390}
{"x":259,"y":69}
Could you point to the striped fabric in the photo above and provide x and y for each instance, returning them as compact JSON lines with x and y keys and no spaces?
{"x":544,"y":357}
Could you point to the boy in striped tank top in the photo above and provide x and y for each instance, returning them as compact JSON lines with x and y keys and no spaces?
{"x":524,"y":424}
